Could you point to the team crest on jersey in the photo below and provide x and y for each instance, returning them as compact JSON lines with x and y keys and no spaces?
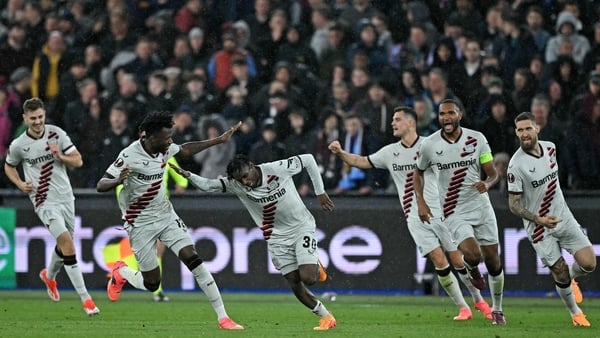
{"x":119,"y":162}
{"x":272,"y":182}
{"x":511,"y":178}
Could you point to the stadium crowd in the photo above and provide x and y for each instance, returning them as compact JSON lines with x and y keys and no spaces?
{"x":301,"y":74}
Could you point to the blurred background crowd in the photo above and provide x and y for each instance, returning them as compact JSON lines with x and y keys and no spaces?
{"x":302,"y":73}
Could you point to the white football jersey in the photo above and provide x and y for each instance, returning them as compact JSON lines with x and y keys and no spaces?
{"x":143,"y":197}
{"x":536,"y":178}
{"x":456,"y":166}
{"x":276,"y":201}
{"x":400,"y":161}
{"x":49,"y":177}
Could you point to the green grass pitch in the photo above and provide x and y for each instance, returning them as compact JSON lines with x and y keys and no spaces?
{"x":32,"y":314}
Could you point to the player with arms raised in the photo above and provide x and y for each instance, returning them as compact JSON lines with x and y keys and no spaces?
{"x":399,"y":159}
{"x":45,"y":151}
{"x":456,"y":155}
{"x":536,"y":197}
{"x":270,"y":196}
{"x":149,"y":215}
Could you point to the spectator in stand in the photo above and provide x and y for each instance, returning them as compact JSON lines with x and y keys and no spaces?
{"x":78,"y":109}
{"x":444,"y":57}
{"x":296,"y":52}
{"x":535,"y":24}
{"x":116,"y":137}
{"x":549,"y":127}
{"x":14,"y":52}
{"x":213,"y":161}
{"x":92,"y":57}
{"x":89,"y":135}
{"x":360,"y":79}
{"x":583,"y":149}
{"x":515,"y":47}
{"x":268,"y":45}
{"x":499,"y":128}
{"x":566,"y":28}
{"x":592,"y":94}
{"x":182,"y":54}
{"x":469,"y":17}
{"x":426,"y":118}
{"x":299,"y":141}
{"x":48,"y":66}
{"x":367,"y":42}
{"x":472,"y":68}
{"x":415,"y":51}
{"x":322,"y":21}
{"x":559,"y":105}
{"x":524,"y":88}
{"x":360,"y":9}
{"x":565,"y":71}
{"x":77,"y":71}
{"x":146,"y":61}
{"x":330,"y":166}
{"x":592,"y":58}
{"x":219,"y":66}
{"x":20,"y":90}
{"x":158,"y":96}
{"x":197,"y":96}
{"x":356,"y":140}
{"x":247,"y":85}
{"x":438,"y":91}
{"x":200,"y":51}
{"x":333,"y":54}
{"x":375,"y":111}
{"x":268,"y":148}
{"x":132,"y":97}
{"x":189,"y":16}
{"x":236,"y":108}
{"x":259,"y":21}
{"x":339,"y":101}
{"x":184,"y":131}
{"x":118,"y":38}
{"x":34,"y":19}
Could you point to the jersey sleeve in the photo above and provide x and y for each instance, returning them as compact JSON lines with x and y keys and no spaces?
{"x":13,"y":157}
{"x":423,"y":160}
{"x":514,"y":178}
{"x":309,"y":162}
{"x":173,"y":150}
{"x":208,"y":184}
{"x":378,"y":159}
{"x":64,"y":142}
{"x":119,"y":164}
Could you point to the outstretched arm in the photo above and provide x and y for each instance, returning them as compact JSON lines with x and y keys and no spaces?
{"x":190,"y":148}
{"x":201,"y":183}
{"x":312,"y":168}
{"x":352,"y":160}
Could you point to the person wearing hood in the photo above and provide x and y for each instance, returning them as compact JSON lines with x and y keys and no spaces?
{"x":567,"y":40}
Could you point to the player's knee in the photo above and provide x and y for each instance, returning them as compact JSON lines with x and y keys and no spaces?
{"x":69,"y":260}
{"x":192,"y":262}
{"x":152,"y":285}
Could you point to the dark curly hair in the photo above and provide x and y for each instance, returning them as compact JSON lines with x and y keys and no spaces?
{"x":156,"y":121}
{"x":238,"y":163}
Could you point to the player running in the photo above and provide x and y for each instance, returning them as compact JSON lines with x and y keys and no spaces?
{"x":535,"y":196}
{"x":45,"y":151}
{"x":431,"y":240}
{"x":456,"y":155}
{"x":270,"y":196}
{"x":149,"y":215}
